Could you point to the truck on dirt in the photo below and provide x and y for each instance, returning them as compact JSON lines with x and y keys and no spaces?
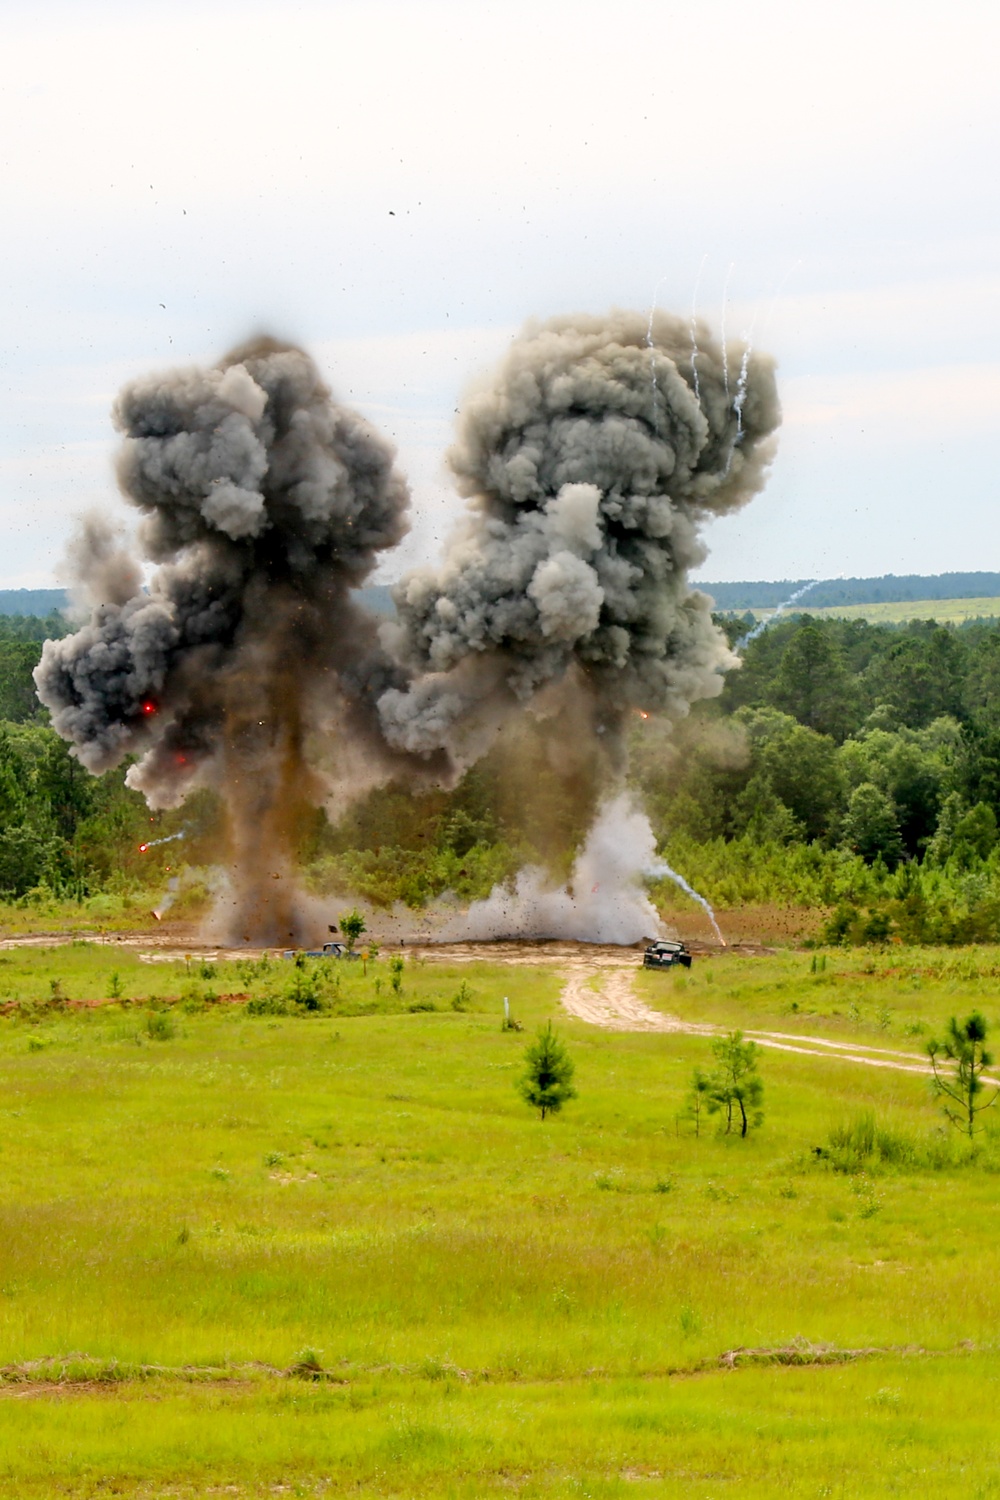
{"x":328,"y":950}
{"x":666,"y":954}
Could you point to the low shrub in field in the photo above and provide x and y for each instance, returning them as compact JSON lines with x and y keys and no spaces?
{"x":267,"y":1005}
{"x":866,"y":1144}
{"x":160,"y":1026}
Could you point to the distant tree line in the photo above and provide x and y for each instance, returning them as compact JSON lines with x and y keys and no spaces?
{"x":888,"y":589}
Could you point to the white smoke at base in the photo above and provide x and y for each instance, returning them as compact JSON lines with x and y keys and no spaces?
{"x":604,"y":901}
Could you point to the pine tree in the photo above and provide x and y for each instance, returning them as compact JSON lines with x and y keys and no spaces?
{"x":547,"y":1080}
{"x":963,"y":1045}
{"x":737,"y":1084}
{"x":699,"y":1098}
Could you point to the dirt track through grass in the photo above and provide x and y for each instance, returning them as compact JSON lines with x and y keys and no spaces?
{"x":613,"y":1005}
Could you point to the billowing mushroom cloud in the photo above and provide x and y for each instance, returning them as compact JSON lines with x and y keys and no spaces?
{"x":265,"y":503}
{"x":589,"y":461}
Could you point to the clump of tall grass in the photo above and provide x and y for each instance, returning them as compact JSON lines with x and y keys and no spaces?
{"x":866,"y":1144}
{"x":160,"y":1026}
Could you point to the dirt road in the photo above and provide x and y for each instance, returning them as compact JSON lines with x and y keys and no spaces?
{"x":598,"y":985}
{"x":609,"y":1000}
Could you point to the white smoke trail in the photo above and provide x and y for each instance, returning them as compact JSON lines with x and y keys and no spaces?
{"x":651,"y":346}
{"x":661,"y":868}
{"x":762,"y":625}
{"x":168,"y":840}
{"x":777,"y":293}
{"x":741,"y":388}
{"x":605,"y":900}
{"x":722,"y":330}
{"x":695,"y":351}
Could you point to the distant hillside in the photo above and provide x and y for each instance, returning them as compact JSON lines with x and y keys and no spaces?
{"x":378,"y":598}
{"x":31,"y":601}
{"x":828,"y":594}
{"x":41,"y":602}
{"x":889,"y":589}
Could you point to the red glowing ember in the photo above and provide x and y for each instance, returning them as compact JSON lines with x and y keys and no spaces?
{"x":149,"y":707}
{"x":143,"y":848}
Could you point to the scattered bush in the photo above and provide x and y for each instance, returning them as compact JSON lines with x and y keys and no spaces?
{"x":160,"y":1026}
{"x":864,"y":1144}
{"x":462,"y":999}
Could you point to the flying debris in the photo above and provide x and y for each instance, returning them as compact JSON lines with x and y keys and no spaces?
{"x":168,"y":839}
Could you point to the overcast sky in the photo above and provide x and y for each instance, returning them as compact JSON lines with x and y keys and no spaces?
{"x":399,"y":186}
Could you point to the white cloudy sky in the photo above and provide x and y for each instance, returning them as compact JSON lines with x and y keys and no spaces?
{"x":399,"y":185}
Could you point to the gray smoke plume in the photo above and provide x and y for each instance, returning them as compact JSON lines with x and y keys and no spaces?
{"x":590,"y":462}
{"x":264,"y":503}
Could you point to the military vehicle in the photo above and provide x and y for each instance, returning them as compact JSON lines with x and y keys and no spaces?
{"x":328,"y":950}
{"x":666,"y":954}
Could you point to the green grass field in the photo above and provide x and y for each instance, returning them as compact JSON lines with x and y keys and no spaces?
{"x":333,"y":1252}
{"x":948,"y":611}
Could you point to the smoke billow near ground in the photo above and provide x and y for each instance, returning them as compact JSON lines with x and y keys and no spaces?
{"x":589,"y":461}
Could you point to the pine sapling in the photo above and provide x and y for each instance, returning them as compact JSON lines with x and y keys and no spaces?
{"x":736,"y":1084}
{"x":547,"y":1082}
{"x":960,"y":1089}
{"x":699,"y":1098}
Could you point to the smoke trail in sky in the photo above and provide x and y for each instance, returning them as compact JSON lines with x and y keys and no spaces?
{"x":695,"y":351}
{"x":762,"y":625}
{"x":660,"y":868}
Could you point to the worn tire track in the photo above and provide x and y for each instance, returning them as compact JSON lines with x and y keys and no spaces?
{"x":614,"y":1006}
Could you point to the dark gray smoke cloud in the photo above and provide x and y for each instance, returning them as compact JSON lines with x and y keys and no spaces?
{"x":264,"y":502}
{"x":590,"y":461}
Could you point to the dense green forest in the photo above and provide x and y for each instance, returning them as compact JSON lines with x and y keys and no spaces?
{"x":846,"y":766}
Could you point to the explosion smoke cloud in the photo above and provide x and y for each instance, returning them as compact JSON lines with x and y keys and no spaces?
{"x":589,"y":462}
{"x":264,"y":503}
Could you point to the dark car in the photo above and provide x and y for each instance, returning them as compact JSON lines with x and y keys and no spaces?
{"x":666,"y":955}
